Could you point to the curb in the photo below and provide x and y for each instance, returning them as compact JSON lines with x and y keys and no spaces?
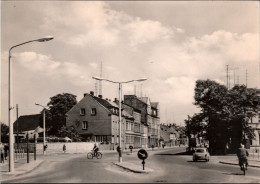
{"x":148,"y":170}
{"x":228,"y":163}
{"x":19,"y":173}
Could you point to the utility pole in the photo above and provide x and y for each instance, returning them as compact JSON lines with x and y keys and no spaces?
{"x":100,"y":82}
{"x":17,"y":129}
{"x":141,"y":90}
{"x":229,"y":80}
{"x":227,"y":76}
{"x":246,"y":77}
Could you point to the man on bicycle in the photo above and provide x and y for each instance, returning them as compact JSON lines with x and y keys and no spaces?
{"x":95,"y":149}
{"x":242,"y":155}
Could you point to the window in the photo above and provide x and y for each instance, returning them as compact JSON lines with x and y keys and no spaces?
{"x":93,"y":111}
{"x":84,"y":125}
{"x":82,"y":112}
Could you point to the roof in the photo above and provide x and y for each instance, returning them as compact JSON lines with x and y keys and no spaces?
{"x":108,"y":104}
{"x":28,"y":122}
{"x":144,"y":99}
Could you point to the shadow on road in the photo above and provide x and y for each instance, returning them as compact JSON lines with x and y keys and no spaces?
{"x":198,"y":161}
{"x":233,"y":174}
{"x":175,"y":154}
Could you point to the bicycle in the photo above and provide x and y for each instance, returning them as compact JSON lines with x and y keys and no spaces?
{"x":91,"y":155}
{"x":244,"y":165}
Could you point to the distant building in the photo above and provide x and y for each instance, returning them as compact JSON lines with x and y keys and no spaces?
{"x":149,"y":116}
{"x":172,"y":135}
{"x":27,"y":124}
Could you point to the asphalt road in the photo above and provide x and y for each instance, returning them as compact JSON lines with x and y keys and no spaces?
{"x":168,"y":167}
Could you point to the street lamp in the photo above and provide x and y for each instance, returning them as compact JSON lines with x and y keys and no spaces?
{"x":44,"y":108}
{"x":11,"y":138}
{"x":120,"y":116}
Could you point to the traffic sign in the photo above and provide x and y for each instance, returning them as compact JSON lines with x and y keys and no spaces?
{"x":142,"y":154}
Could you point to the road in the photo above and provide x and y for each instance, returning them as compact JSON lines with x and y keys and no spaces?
{"x":168,"y":167}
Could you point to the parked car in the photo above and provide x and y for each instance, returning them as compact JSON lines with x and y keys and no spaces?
{"x":200,"y":154}
{"x":40,"y":139}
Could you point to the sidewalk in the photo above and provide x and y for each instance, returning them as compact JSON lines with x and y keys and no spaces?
{"x":20,"y":167}
{"x":232,"y":160}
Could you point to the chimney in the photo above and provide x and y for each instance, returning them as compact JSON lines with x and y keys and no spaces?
{"x":115,"y":100}
{"x":106,"y":99}
{"x":99,"y":96}
{"x":85,"y":94}
{"x":92,"y":93}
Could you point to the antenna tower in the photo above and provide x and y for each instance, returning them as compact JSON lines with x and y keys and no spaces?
{"x":246,"y":77}
{"x":227,"y":76}
{"x":100,"y":82}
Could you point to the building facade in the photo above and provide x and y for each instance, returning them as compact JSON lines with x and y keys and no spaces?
{"x":97,"y":119}
{"x":149,"y":117}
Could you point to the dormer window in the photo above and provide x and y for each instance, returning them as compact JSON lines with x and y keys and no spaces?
{"x":82,"y":112}
{"x":93,"y":111}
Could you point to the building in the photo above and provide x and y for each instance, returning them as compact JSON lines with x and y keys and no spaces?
{"x":97,"y":119}
{"x":27,"y":124}
{"x":149,"y":116}
{"x":172,"y":135}
{"x":136,"y":133}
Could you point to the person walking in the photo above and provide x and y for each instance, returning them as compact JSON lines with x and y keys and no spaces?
{"x":6,"y":149}
{"x":242,"y":155}
{"x":2,"y":153}
{"x":64,"y":148}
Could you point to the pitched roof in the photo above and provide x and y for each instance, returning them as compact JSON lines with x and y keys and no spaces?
{"x":108,"y":104}
{"x":28,"y":122}
{"x":144,"y":99}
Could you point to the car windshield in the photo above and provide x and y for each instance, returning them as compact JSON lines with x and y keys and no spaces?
{"x":200,"y":150}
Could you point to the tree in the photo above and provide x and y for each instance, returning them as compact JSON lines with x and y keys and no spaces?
{"x":70,"y":132}
{"x":226,"y":113}
{"x":4,"y":133}
{"x":56,"y":116}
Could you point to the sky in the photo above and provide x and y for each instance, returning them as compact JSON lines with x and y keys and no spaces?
{"x":171,"y":43}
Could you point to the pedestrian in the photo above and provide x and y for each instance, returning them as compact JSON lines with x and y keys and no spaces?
{"x":45,"y":147}
{"x":6,"y":149}
{"x":242,"y":155}
{"x":64,"y":148}
{"x":2,"y":153}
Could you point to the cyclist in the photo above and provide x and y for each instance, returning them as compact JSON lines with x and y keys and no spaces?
{"x":95,"y":149}
{"x":242,"y":155}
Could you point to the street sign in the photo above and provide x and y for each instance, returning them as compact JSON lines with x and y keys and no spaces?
{"x":142,"y":154}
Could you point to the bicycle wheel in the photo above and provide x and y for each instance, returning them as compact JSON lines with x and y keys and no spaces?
{"x":90,"y":155}
{"x":99,"y":155}
{"x":244,"y":168}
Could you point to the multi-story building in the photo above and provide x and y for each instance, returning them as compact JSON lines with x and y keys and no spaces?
{"x":149,"y":116}
{"x":135,"y":131}
{"x":97,"y":119}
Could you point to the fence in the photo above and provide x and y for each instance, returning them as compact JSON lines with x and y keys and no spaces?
{"x":18,"y":154}
{"x":254,"y":153}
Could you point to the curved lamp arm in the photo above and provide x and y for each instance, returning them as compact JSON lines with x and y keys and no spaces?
{"x":138,"y":80}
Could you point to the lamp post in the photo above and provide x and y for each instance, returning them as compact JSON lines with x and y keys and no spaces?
{"x":11,"y":136}
{"x":44,"y":109}
{"x":120,"y":114}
